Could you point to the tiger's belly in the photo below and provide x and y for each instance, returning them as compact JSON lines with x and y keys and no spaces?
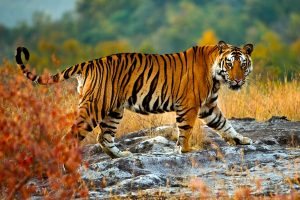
{"x":150,"y":105}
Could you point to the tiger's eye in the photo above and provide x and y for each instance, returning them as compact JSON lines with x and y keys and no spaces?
{"x":229,"y":65}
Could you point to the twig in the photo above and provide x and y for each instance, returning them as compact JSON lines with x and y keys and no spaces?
{"x":17,"y":187}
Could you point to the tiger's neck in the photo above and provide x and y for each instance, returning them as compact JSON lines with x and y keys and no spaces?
{"x":201,"y":61}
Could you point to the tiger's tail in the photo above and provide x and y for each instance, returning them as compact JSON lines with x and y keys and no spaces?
{"x":44,"y":80}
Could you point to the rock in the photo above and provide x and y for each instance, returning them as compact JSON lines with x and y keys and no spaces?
{"x":266,"y":167}
{"x":271,"y":165}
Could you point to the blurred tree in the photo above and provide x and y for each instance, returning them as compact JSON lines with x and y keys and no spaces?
{"x":295,"y":47}
{"x":208,"y":38}
{"x":111,"y":47}
{"x":267,"y":11}
{"x":161,"y":27}
{"x":46,"y":46}
{"x":291,"y":32}
{"x":271,"y":56}
{"x":4,"y":32}
{"x":72,"y":46}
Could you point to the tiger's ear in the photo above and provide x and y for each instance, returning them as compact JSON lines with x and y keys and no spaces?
{"x":222,"y":45}
{"x":248,"y":48}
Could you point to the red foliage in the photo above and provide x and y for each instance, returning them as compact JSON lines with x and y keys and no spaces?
{"x":32,"y":123}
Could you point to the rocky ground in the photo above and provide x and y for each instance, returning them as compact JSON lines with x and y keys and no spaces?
{"x":270,"y":166}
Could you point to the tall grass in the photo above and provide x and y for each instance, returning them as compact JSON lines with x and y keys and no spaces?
{"x":262,"y":100}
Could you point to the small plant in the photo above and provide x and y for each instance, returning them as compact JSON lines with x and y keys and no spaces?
{"x":32,"y":123}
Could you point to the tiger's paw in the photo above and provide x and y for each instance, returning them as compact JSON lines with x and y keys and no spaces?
{"x":119,"y":154}
{"x":186,"y":149}
{"x":115,"y":152}
{"x":239,"y":141}
{"x":125,"y":154}
{"x":246,"y":141}
{"x":177,"y":149}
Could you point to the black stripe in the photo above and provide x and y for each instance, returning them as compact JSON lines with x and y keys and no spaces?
{"x":81,"y":122}
{"x":165,"y":85}
{"x":109,"y":59}
{"x":140,"y":58}
{"x":216,"y":85}
{"x":109,"y":132}
{"x":179,"y":119}
{"x":166,"y":105}
{"x":107,"y":140}
{"x":215,"y":122}
{"x":66,"y":73}
{"x":147,"y":98}
{"x":115,"y":115}
{"x":19,"y":57}
{"x":227,"y":129}
{"x":105,"y":125}
{"x":89,"y":128}
{"x":136,"y":88}
{"x":74,"y":69}
{"x":185,"y":127}
{"x":55,"y":78}
{"x":173,"y":70}
{"x":181,"y":66}
{"x":150,"y":69}
{"x":213,"y":99}
{"x":155,"y":105}
{"x":79,"y":137}
{"x":223,"y":124}
{"x":185,"y":111}
{"x":94,"y":122}
{"x":206,"y":114}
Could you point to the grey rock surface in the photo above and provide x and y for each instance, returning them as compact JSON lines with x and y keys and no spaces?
{"x":269,"y":166}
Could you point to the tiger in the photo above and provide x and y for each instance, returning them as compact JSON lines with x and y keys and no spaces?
{"x":186,"y":83}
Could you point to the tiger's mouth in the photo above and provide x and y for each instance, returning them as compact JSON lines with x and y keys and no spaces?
{"x":235,"y":85}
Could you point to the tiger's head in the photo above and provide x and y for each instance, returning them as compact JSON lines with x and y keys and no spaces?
{"x":233,"y":64}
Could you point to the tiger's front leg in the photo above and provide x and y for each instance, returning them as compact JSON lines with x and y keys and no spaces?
{"x":185,"y":121}
{"x":214,"y":118}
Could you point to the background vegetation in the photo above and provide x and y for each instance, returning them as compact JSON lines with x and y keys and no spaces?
{"x":101,"y":27}
{"x":33,"y":119}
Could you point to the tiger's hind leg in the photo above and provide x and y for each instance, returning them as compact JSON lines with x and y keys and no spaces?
{"x":79,"y":130}
{"x":106,"y":138}
{"x":82,"y":125}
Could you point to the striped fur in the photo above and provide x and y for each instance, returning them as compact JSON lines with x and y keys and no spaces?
{"x":185,"y":82}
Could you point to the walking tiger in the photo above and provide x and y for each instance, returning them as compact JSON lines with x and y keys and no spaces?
{"x":186,"y":83}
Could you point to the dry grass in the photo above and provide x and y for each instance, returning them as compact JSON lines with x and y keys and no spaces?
{"x":262,"y":100}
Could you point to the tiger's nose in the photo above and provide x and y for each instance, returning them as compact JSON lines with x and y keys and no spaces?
{"x":238,"y":81}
